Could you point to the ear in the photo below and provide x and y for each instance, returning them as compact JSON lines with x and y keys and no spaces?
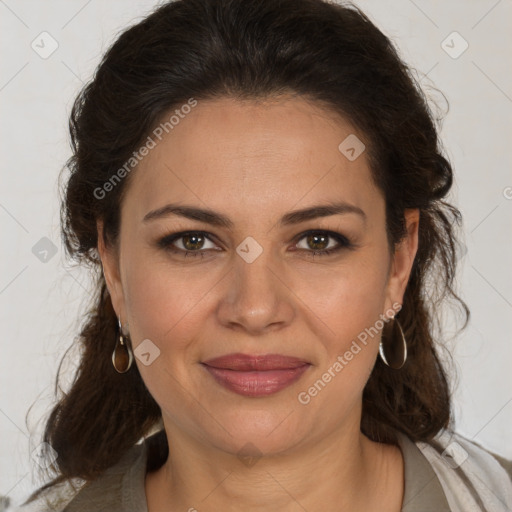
{"x":403,"y":260}
{"x":110,"y":261}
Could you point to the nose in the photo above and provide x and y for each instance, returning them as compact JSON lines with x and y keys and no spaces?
{"x":257,"y":297}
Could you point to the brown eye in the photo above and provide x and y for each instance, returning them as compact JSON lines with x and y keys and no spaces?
{"x":193,"y":241}
{"x":188,"y":243}
{"x":324,"y":242}
{"x":317,"y":242}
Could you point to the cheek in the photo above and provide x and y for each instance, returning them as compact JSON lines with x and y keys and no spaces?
{"x":151,"y":304}
{"x":165,"y":304}
{"x":352,"y":316}
{"x":347,"y":310}
{"x":346,"y":301}
{"x":167,"y":308}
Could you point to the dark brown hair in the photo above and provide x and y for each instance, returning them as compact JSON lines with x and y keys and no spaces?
{"x":329,"y":53}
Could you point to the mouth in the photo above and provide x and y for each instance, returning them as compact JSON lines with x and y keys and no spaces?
{"x":255,"y":375}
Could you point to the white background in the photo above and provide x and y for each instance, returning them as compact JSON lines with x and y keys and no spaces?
{"x":40,"y":301}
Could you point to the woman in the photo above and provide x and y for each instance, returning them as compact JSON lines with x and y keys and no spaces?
{"x":259,"y":185}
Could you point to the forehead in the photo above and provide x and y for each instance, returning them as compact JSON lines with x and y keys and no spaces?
{"x":237,"y":156}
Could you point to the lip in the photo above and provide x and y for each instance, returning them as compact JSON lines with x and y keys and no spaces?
{"x":247,"y":362}
{"x":256,"y":375}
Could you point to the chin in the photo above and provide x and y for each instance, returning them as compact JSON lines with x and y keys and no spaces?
{"x":257,"y":433}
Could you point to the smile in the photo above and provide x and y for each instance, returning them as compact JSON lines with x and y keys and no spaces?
{"x":255,"y":375}
{"x":256,"y":383}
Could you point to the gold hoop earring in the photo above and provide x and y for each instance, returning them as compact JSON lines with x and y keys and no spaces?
{"x":122,"y":356}
{"x":393,"y":354}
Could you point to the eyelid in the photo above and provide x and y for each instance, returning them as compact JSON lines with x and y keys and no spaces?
{"x":340,"y":238}
{"x":343,"y":242}
{"x":168,"y":240}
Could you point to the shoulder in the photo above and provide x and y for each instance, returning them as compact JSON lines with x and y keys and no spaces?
{"x":107,"y":492}
{"x":54,"y":498}
{"x":470,"y":475}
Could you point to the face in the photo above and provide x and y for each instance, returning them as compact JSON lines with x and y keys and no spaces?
{"x":257,"y":283}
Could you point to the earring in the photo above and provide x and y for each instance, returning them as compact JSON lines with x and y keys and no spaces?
{"x":392,"y":355}
{"x":122,"y":356}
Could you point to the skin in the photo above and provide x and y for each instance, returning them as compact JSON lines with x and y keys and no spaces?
{"x":254,"y":162}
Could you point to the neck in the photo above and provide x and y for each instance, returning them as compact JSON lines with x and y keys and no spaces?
{"x":345,"y":468}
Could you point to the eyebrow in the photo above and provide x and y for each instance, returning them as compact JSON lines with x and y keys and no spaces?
{"x":217,"y":219}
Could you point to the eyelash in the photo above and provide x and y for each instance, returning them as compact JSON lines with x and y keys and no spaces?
{"x":344,"y":243}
